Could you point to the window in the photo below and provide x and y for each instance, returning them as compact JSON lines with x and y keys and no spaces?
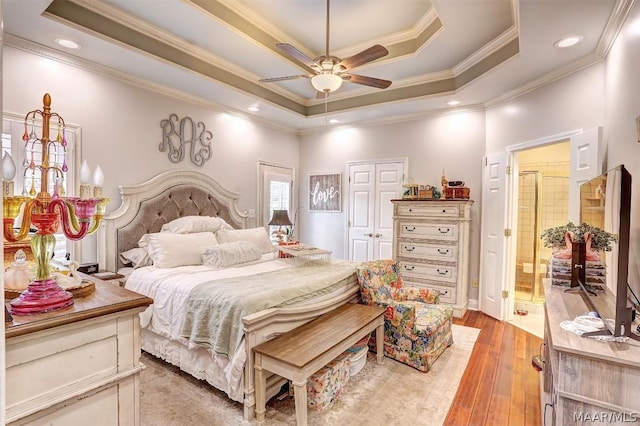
{"x":27,"y":181}
{"x":276,"y":193}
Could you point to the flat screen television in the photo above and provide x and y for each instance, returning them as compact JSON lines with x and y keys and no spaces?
{"x":605,"y":202}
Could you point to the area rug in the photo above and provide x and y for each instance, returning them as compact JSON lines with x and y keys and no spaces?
{"x":387,"y":394}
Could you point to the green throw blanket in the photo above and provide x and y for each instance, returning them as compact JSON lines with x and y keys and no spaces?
{"x":214,"y":312}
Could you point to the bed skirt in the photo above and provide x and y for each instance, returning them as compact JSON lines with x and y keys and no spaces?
{"x":200,"y":363}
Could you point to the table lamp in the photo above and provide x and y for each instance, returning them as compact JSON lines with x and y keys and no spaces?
{"x":280,"y":218}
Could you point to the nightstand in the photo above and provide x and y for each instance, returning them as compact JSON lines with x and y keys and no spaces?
{"x":110,"y":277}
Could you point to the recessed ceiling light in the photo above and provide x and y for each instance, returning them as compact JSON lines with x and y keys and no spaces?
{"x":568,"y":41}
{"x":453,"y":102}
{"x":253,"y":109}
{"x":69,"y":44}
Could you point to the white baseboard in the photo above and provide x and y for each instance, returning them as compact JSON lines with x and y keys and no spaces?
{"x":473,"y":305}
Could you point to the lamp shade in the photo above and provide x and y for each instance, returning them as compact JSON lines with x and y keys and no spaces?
{"x":326,"y":82}
{"x":280,"y":218}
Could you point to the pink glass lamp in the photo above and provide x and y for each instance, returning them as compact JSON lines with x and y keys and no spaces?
{"x":78,"y":216}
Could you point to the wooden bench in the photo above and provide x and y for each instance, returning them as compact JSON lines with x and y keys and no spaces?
{"x":298,"y":353}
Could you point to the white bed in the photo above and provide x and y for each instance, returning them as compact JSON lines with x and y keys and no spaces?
{"x":145,"y":208}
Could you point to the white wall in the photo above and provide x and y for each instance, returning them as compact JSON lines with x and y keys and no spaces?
{"x":574,"y":102}
{"x":452,"y":142}
{"x":121,"y":127}
{"x":622,"y":89}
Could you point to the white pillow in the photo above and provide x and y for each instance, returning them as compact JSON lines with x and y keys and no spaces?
{"x":169,"y":250}
{"x":191,"y":224}
{"x":229,"y":254}
{"x":257,"y":236}
{"x":136,"y":257}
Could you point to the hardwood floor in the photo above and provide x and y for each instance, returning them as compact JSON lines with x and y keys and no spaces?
{"x":500,"y":386}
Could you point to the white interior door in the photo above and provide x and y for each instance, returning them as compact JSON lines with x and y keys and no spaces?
{"x":372,"y":186}
{"x":361,"y":212}
{"x":492,"y":281}
{"x":389,"y":177}
{"x":586,"y":164}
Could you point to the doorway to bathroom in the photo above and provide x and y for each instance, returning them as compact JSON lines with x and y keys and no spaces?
{"x":543,"y":202}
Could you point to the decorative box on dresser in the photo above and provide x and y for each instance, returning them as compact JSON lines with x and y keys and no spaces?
{"x":431,"y":242}
{"x":586,"y":381}
{"x":79,"y":365}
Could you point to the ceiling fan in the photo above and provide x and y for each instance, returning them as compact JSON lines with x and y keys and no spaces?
{"x":328,"y":72}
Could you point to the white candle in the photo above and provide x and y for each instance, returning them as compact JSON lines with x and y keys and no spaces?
{"x":85,"y":179}
{"x":98,"y":181}
{"x":8,"y":174}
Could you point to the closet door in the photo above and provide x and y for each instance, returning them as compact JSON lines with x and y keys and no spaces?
{"x":372,"y":186}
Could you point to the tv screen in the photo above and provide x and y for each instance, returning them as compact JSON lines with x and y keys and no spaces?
{"x":605,"y":202}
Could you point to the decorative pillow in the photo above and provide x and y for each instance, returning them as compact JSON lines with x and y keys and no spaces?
{"x":136,"y":257}
{"x":191,"y":224}
{"x":257,"y":236}
{"x":168,"y":250}
{"x":229,"y":254}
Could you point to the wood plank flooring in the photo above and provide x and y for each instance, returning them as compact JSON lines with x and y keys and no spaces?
{"x":500,"y":386}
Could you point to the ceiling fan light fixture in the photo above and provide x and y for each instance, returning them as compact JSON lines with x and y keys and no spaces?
{"x":326,"y":82}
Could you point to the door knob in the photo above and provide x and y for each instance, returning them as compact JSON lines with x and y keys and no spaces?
{"x":378,"y":235}
{"x":368,"y":235}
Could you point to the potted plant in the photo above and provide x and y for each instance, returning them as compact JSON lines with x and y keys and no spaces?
{"x":560,"y":239}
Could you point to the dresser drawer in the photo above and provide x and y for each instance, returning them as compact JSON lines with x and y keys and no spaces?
{"x":77,"y":355}
{"x":447,"y":294}
{"x":427,"y":271}
{"x":438,"y":231}
{"x":447,"y":253}
{"x":419,"y":210}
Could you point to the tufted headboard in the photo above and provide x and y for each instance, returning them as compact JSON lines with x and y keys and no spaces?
{"x":147,"y":206}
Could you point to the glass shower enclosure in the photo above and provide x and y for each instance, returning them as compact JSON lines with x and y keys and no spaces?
{"x":542,"y":203}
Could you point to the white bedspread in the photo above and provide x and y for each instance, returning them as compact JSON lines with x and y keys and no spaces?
{"x":169,"y":288}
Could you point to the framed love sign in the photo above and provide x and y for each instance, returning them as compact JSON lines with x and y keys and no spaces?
{"x":325,"y":192}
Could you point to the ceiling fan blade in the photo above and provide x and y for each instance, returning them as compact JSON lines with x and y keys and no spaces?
{"x":367,"y":81}
{"x":289,"y":77}
{"x":294,"y":53}
{"x":364,"y":57}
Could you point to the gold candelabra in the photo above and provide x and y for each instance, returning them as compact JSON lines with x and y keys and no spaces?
{"x":78,"y":216}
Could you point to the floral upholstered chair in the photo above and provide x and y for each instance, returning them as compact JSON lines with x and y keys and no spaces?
{"x":417,"y":328}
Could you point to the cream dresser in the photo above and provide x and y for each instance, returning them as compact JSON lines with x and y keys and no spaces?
{"x":77,"y":366}
{"x":431,"y":242}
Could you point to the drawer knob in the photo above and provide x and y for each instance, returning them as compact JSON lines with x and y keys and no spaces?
{"x":443,"y":251}
{"x":409,"y":268}
{"x":407,"y":248}
{"x":410,"y":210}
{"x":444,"y":211}
{"x":406,"y":228}
{"x":444,"y":230}
{"x":442,"y":271}
{"x":443,"y":293}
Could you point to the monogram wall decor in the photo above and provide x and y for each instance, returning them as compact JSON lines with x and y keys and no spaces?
{"x":177,"y":133}
{"x":325,"y":192}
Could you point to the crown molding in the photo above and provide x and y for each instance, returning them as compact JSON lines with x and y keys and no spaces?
{"x":396,"y":119}
{"x":55,"y":55}
{"x":614,"y":25}
{"x":486,"y":51}
{"x":546,"y":79}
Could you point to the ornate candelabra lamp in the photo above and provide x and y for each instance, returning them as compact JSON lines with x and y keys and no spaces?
{"x":78,"y":216}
